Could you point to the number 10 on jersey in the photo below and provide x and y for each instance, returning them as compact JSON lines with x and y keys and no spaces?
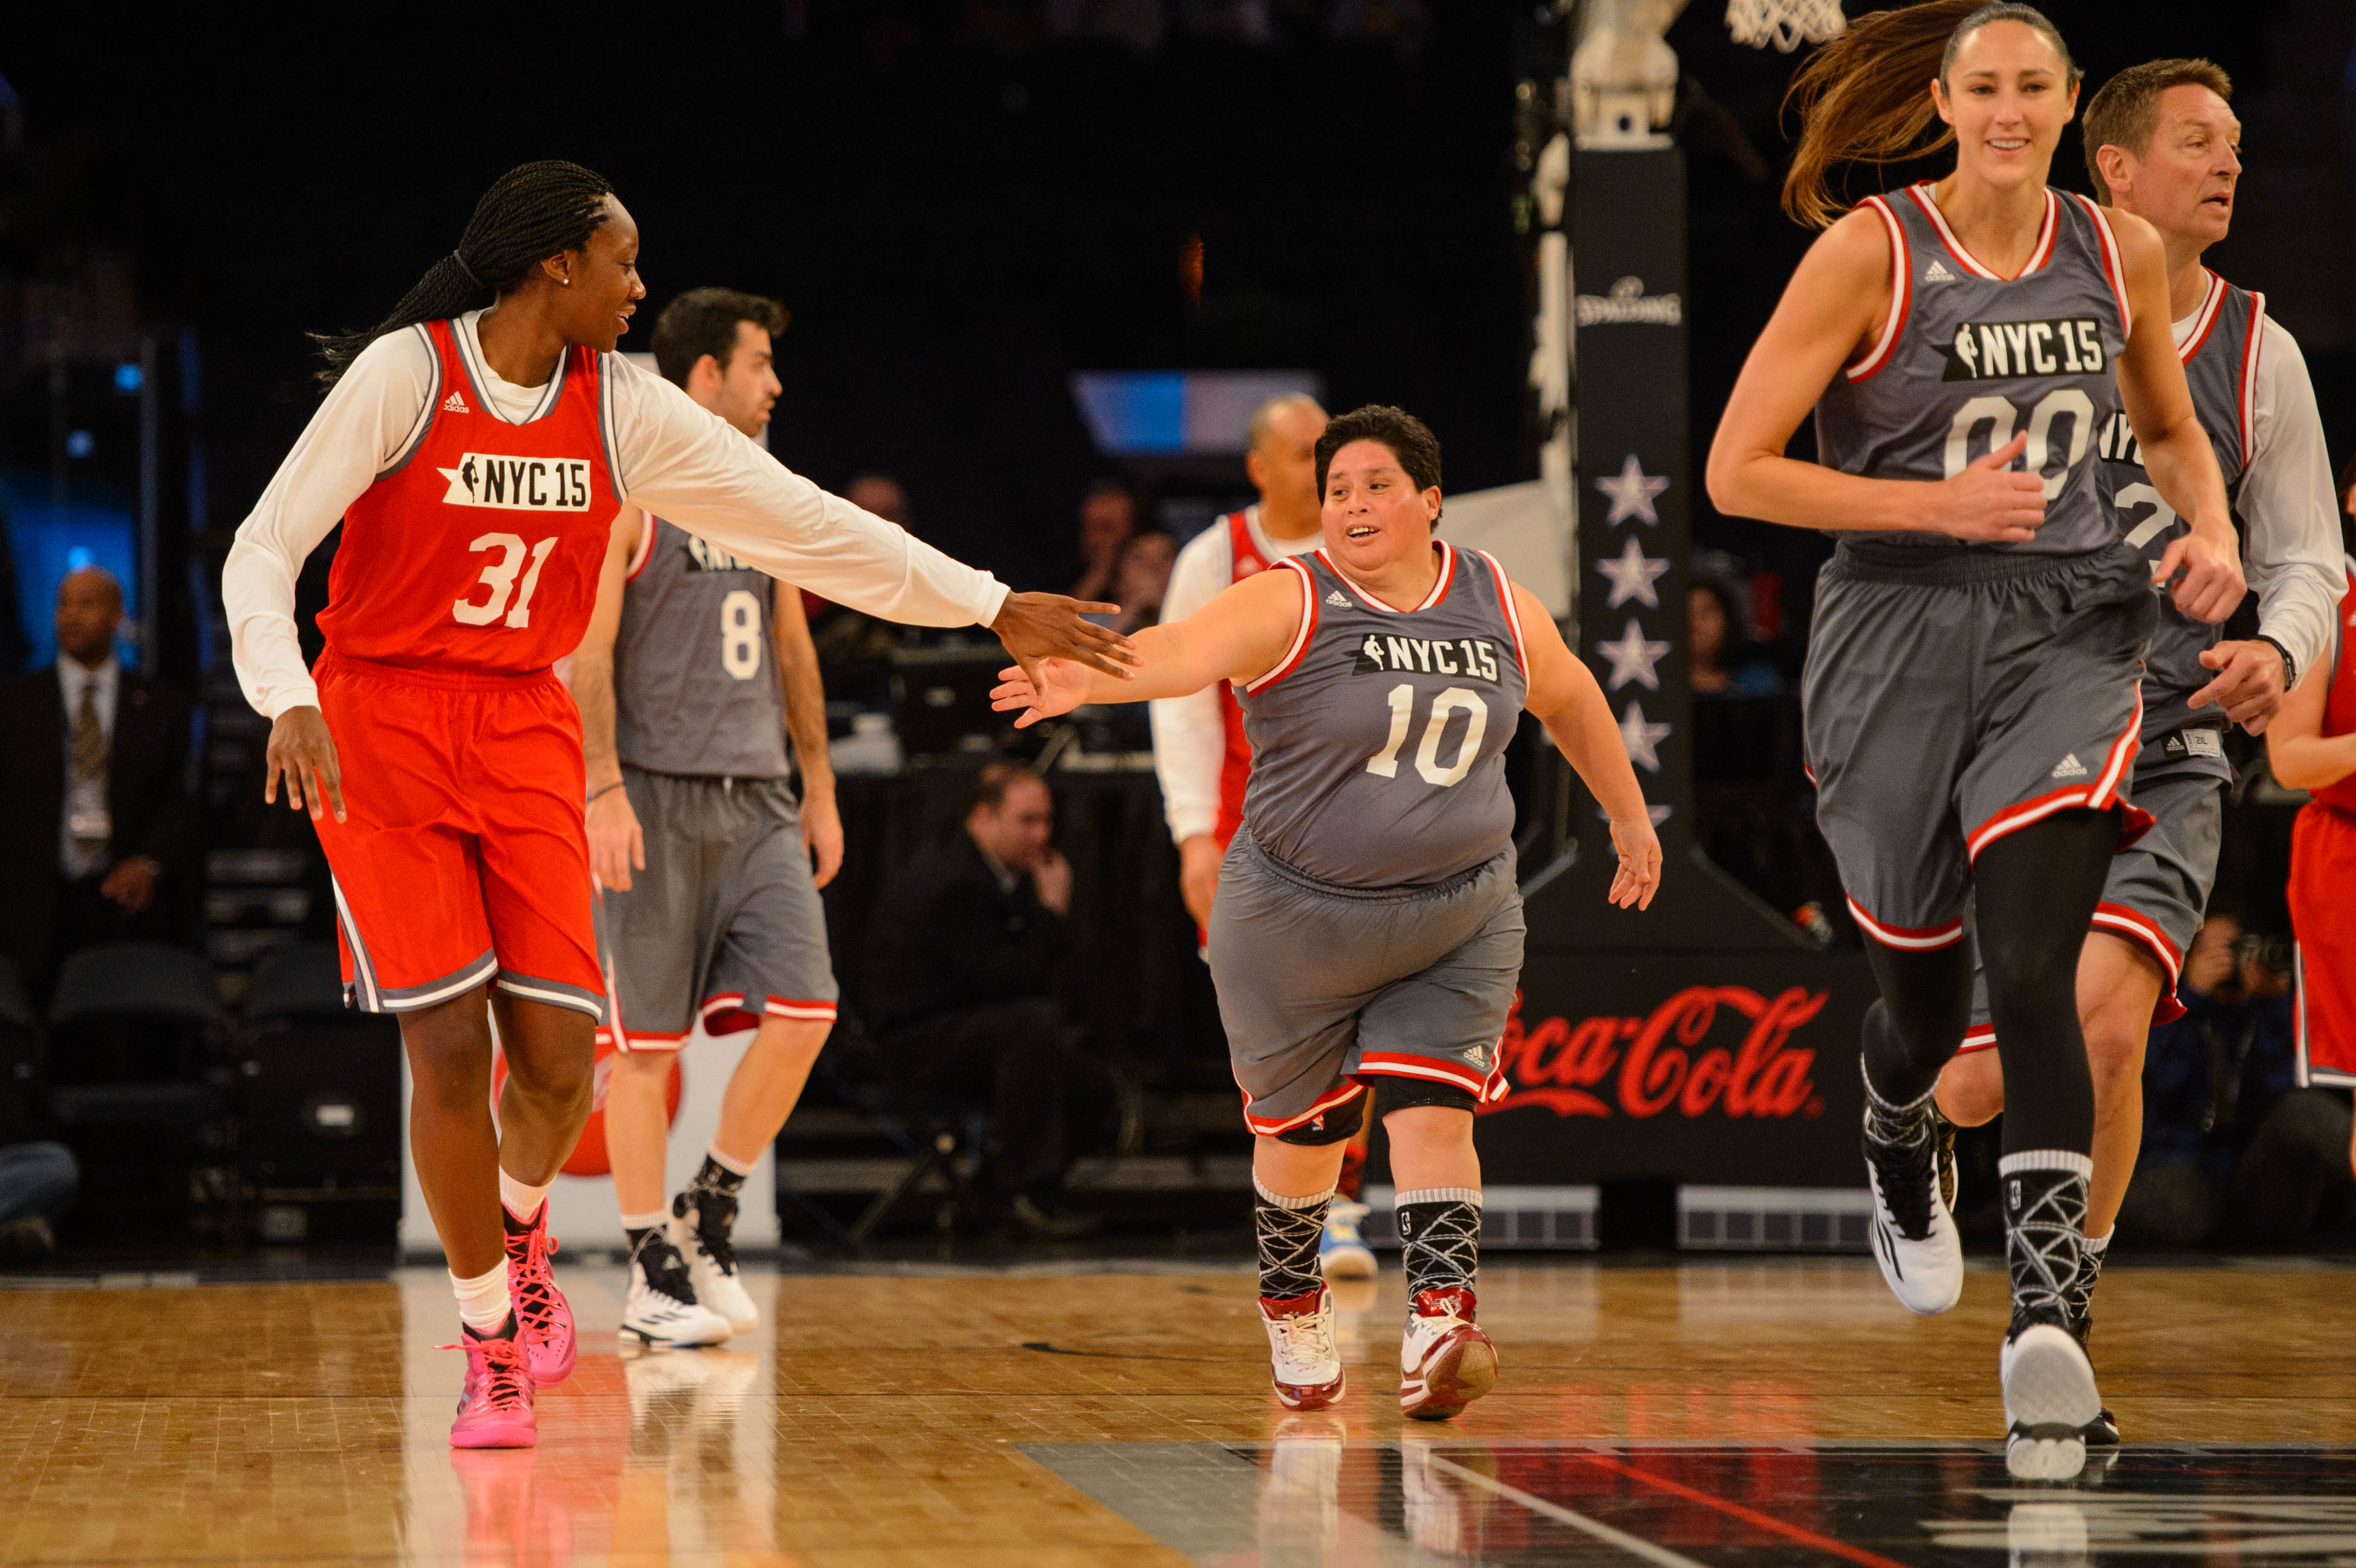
{"x":1455,"y":699}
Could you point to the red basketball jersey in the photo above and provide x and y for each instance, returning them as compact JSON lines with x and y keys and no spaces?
{"x":1234,"y":769}
{"x":2339,"y":706}
{"x":480,"y":549}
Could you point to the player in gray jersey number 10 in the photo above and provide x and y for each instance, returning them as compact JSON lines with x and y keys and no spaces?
{"x":1368,"y":922}
{"x":1971,"y":701}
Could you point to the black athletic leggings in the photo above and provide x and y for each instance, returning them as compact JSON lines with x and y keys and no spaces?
{"x":2034,"y":892}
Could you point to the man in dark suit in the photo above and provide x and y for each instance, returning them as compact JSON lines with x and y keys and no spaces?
{"x":98,"y":834}
{"x":960,"y":981}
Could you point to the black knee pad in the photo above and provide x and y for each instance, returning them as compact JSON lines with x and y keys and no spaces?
{"x":1337,"y":1126}
{"x":1406,"y":1094}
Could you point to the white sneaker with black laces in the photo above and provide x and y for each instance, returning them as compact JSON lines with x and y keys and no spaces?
{"x":1915,"y":1236}
{"x":661,"y":1308}
{"x":702,"y":1226}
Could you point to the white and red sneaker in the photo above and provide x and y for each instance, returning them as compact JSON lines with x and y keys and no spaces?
{"x":1445,"y":1363}
{"x":495,"y":1406}
{"x":1306,"y":1369}
{"x":543,"y":1318}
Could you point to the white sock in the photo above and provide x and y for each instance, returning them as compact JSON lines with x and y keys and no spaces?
{"x":482,"y":1304}
{"x":728,"y":1162}
{"x":521,"y":1202}
{"x":2100,"y":1244}
{"x":651,"y":1219}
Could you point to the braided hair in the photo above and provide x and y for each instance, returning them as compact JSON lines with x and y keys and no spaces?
{"x":530,"y":213}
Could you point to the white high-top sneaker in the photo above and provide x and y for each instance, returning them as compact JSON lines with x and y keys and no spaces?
{"x":702,"y":1225}
{"x":1914,"y":1235}
{"x":2049,"y":1399}
{"x":1445,"y":1363}
{"x":661,"y":1308}
{"x":1306,"y":1370}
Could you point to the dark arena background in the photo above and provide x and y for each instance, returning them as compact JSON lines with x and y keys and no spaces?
{"x":1043,"y":261}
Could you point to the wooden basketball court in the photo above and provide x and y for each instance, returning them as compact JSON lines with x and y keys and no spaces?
{"x":1685,"y":1417}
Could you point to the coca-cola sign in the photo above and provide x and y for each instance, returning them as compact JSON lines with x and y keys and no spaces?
{"x":1706,"y":1051}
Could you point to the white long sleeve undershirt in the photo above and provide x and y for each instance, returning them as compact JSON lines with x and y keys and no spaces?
{"x":2290,"y":508}
{"x":674,"y":458}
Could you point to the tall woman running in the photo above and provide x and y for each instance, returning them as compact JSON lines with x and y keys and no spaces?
{"x":1369,"y":924}
{"x":1971,"y":692}
{"x":476,"y":445}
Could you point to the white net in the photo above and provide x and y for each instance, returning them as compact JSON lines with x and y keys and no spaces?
{"x":1786,"y":24}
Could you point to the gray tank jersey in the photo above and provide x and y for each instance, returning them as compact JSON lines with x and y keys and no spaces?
{"x":1969,"y":360}
{"x":1378,"y":744}
{"x":695,"y":672}
{"x":2220,"y":365}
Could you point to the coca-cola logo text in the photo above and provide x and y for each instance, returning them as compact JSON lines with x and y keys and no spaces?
{"x":1649,"y":1065}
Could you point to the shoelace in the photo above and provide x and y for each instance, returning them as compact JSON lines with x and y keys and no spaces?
{"x":503,"y":1367}
{"x":1907,"y":1176}
{"x":535,"y":1294}
{"x":713,"y":1240}
{"x":1307,"y":1336}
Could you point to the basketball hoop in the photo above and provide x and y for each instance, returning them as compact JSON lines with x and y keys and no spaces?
{"x":1786,"y":24}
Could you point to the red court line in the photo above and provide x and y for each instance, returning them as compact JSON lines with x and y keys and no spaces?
{"x":1799,"y":1533}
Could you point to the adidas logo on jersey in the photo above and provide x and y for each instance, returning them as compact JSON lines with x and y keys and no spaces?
{"x":1338,"y":597}
{"x":1937,"y":273}
{"x":455,"y":404}
{"x":519,"y":484}
{"x":2070,"y":767}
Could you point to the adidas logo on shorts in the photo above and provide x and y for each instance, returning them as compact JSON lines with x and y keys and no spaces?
{"x":455,"y":404}
{"x":1936,"y":274}
{"x":2070,"y":767}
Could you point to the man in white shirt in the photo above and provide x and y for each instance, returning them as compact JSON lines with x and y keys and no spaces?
{"x":1199,"y":750}
{"x":2162,"y":142}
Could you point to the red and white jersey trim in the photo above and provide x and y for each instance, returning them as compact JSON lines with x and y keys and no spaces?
{"x":1394,"y":1064}
{"x":1267,"y":1127}
{"x":1513,"y":611}
{"x":2096,"y":795}
{"x":2141,"y":928}
{"x":1439,"y":584}
{"x":645,"y":550}
{"x":2114,"y":266}
{"x":2037,"y":256}
{"x":1301,"y":634}
{"x":2204,"y":318}
{"x":1901,"y":292}
{"x":2248,"y":400}
{"x":1911,"y":938}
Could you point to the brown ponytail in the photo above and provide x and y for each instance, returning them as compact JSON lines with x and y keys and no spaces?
{"x":1865,"y":97}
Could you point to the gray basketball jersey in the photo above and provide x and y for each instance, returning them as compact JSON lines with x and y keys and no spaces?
{"x":1378,"y":744}
{"x":1968,"y":359}
{"x":2221,"y":363}
{"x":695,"y":674}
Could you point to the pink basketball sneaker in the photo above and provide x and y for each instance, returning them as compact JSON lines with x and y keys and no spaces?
{"x":495,"y":1408}
{"x":543,"y":1318}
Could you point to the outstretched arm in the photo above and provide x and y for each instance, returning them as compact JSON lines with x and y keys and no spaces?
{"x":1565,"y":698}
{"x":1240,"y":635}
{"x":2206,"y":561}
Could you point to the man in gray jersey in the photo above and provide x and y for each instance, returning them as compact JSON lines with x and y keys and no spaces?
{"x":2163,"y":144}
{"x":695,"y":668}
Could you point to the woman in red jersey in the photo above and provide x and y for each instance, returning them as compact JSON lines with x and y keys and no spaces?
{"x":476,"y":445}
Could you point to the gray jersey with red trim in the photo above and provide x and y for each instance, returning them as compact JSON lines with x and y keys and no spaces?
{"x":695,"y":670}
{"x":1378,"y":744}
{"x":1968,"y":359}
{"x":2220,"y":365}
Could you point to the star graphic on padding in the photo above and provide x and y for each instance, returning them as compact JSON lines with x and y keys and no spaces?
{"x":1641,"y":737}
{"x":1632,"y":491}
{"x":1633,"y":576}
{"x":1632,"y":658}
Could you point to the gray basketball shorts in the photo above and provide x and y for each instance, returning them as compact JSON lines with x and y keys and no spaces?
{"x":2158,"y":890}
{"x":1951,"y":702}
{"x":1322,"y":986}
{"x":724,"y":926}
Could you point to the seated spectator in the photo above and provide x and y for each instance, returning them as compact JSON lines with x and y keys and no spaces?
{"x":2227,"y":1136}
{"x":960,"y":985}
{"x":1108,"y":518}
{"x":1719,"y":653}
{"x":1141,"y":578}
{"x":99,"y":833}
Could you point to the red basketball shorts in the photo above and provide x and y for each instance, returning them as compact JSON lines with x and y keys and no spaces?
{"x":463,"y":858}
{"x":2322,"y":870}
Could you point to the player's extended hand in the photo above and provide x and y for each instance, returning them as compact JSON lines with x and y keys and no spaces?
{"x":2210,"y":586}
{"x":1036,"y":626}
{"x":302,"y":753}
{"x":1991,"y":502}
{"x":617,"y":847}
{"x":1051,"y":687}
{"x":1198,"y":875}
{"x":2249,"y":684}
{"x":1639,"y":875}
{"x":822,"y":830}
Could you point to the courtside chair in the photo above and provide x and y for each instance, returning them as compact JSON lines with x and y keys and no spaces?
{"x":320,"y":1086}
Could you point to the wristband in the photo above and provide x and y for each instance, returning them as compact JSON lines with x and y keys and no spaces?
{"x":2290,"y":665}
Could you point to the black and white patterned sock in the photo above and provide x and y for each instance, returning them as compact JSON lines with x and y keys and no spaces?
{"x":1288,"y":1230}
{"x":2080,"y":1294}
{"x":719,"y":1173}
{"x":1440,"y":1234}
{"x":2044,"y":1196}
{"x":1897,"y":1126}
